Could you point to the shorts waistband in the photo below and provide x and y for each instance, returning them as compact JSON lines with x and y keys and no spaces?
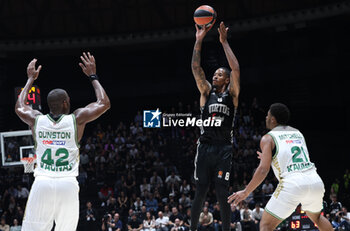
{"x":42,"y":177}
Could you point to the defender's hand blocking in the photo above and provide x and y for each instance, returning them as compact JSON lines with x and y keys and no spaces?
{"x":237,"y":197}
{"x":201,"y":31}
{"x":31,"y":71}
{"x":223,"y":32}
{"x":89,"y":65}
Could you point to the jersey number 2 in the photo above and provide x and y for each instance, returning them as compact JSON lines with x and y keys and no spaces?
{"x":297,"y":151}
{"x":61,"y":152}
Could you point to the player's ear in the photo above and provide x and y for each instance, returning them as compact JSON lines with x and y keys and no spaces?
{"x":273,"y":119}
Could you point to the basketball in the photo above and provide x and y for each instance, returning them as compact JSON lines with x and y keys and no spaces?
{"x":204,"y":16}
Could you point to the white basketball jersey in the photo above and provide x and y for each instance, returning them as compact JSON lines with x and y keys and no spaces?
{"x":291,"y":154}
{"x":56,"y":146}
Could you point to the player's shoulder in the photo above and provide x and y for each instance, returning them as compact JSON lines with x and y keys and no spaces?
{"x":282,"y":129}
{"x":37,"y":114}
{"x":38,"y":117}
{"x":290,"y":128}
{"x":268,"y":137}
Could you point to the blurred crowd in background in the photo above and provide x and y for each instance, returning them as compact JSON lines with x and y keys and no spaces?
{"x":135,"y":178}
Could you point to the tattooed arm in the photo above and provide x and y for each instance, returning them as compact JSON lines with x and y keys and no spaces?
{"x":203,"y":85}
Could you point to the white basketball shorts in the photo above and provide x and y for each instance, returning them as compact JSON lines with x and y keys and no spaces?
{"x":52,"y":199}
{"x":306,"y":188}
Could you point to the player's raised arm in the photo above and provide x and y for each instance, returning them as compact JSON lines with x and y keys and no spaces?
{"x":203,"y":85}
{"x":25,"y":112}
{"x":234,"y":87}
{"x":266,"y":145}
{"x":102,"y":104}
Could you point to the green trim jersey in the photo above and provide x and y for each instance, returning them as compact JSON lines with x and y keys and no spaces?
{"x":291,"y":154}
{"x":56,"y":146}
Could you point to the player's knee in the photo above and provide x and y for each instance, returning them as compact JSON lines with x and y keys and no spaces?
{"x":315,"y":217}
{"x":266,"y":226}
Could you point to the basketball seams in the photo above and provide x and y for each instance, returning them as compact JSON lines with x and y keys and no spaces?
{"x":204,"y":15}
{"x":206,"y":8}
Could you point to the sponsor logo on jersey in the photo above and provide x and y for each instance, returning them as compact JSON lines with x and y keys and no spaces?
{"x":54,"y":142}
{"x":293,"y":141}
{"x":220,"y":174}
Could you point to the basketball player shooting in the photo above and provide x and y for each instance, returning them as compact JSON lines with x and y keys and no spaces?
{"x":218,"y":101}
{"x":54,"y":193}
{"x":284,"y":148}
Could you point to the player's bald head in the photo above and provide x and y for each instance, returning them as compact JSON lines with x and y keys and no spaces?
{"x":226,"y":71}
{"x":58,"y":101}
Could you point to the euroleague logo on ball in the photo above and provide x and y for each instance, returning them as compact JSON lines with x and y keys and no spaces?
{"x":204,"y":16}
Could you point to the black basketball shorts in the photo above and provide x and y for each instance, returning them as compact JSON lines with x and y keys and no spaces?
{"x":213,"y":162}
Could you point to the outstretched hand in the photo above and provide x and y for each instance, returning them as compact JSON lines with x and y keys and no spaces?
{"x":31,"y":71}
{"x":89,"y":65}
{"x":201,"y":31}
{"x":237,"y":197}
{"x":223,"y":32}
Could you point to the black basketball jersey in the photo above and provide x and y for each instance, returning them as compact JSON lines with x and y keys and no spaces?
{"x":219,"y":106}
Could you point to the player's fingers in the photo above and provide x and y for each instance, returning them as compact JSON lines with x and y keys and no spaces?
{"x":222,"y":29}
{"x":208,"y":28}
{"x":93,"y":58}
{"x":196,"y":27}
{"x":85,"y":57}
{"x":32,"y":63}
{"x":231,"y":200}
{"x":90,"y":56}
{"x":39,"y":68}
{"x":82,"y":66}
{"x":259,"y":154}
{"x":231,"y":197}
{"x":222,"y":25}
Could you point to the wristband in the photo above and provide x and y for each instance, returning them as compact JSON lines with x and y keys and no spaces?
{"x":93,"y":77}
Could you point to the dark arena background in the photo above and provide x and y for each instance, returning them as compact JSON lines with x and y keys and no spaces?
{"x":294,"y":52}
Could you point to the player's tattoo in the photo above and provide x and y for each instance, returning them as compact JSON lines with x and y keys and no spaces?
{"x":197,"y":70}
{"x":196,"y":56}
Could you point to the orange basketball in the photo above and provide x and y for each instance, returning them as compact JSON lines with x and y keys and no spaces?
{"x":204,"y":16}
